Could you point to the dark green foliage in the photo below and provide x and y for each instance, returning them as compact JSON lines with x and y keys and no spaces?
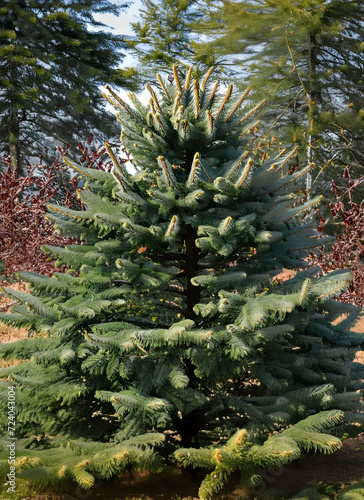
{"x":169,"y":31}
{"x":53,"y":57}
{"x":163,"y":36}
{"x":170,"y":322}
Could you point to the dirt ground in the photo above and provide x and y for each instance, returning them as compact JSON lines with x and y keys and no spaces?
{"x":339,"y":469}
{"x":8,"y":333}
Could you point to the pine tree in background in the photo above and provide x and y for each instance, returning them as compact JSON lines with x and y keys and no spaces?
{"x":169,"y":333}
{"x":163,"y":37}
{"x":307,"y":58}
{"x":53,"y":57}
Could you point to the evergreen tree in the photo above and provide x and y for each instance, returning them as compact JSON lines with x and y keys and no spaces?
{"x":308,"y":57}
{"x":53,"y":57}
{"x":163,"y":37}
{"x":169,"y":332}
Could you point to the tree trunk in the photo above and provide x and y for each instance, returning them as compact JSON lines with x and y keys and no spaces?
{"x":190,"y":270}
{"x":313,"y":94}
{"x":14,"y":149}
{"x":191,"y":256}
{"x":14,"y":128}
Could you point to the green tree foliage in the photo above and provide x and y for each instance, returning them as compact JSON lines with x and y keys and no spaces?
{"x":163,"y":36}
{"x":307,"y":56}
{"x":169,"y":333}
{"x":53,"y":57}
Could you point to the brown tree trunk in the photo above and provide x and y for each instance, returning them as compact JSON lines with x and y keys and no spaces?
{"x":14,"y":149}
{"x":314,"y":91}
{"x":191,"y":256}
{"x":313,"y":94}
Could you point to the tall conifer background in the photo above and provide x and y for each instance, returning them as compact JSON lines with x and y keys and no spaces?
{"x":53,"y":57}
{"x":306,"y":57}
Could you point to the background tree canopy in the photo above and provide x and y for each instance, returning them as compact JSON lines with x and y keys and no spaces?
{"x":307,"y":57}
{"x":53,"y":57}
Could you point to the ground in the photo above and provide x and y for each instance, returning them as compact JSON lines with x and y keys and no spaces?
{"x":339,"y":469}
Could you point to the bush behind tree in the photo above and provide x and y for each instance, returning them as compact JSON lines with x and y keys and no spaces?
{"x":24,"y":227}
{"x":347,"y":222}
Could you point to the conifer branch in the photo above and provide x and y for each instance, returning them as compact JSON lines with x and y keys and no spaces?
{"x":238,"y":104}
{"x":113,"y":157}
{"x":159,"y":122}
{"x":172,"y":226}
{"x":226,"y":98}
{"x":153,"y":110}
{"x":305,"y":208}
{"x":176,"y":78}
{"x":247,"y":169}
{"x":196,"y":98}
{"x":210,"y":119}
{"x":294,"y":68}
{"x":143,"y":351}
{"x":155,"y":115}
{"x":290,"y":179}
{"x":177,"y":101}
{"x":251,"y":112}
{"x":120,"y":181}
{"x":208,"y":74}
{"x":163,"y":164}
{"x":281,"y":152}
{"x":161,"y":83}
{"x":154,"y":97}
{"x":206,"y":173}
{"x":111,"y":101}
{"x":195,"y":163}
{"x":87,"y":336}
{"x":280,"y":164}
{"x":75,"y":167}
{"x":188,"y":78}
{"x":213,"y":92}
{"x":284,"y":111}
{"x":236,"y":166}
{"x":250,"y":128}
{"x":304,"y":289}
{"x":119,"y":100}
{"x":59,"y":210}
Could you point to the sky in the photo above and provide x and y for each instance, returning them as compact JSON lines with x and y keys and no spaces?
{"x":121,"y":24}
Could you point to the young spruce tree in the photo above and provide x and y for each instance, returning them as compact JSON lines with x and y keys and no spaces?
{"x":169,"y":334}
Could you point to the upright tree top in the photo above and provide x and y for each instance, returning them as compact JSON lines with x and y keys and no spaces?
{"x":184,"y":117}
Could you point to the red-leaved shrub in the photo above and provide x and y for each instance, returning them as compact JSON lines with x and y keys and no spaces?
{"x":348,"y":250}
{"x":23,"y":226}
{"x":23,"y":205}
